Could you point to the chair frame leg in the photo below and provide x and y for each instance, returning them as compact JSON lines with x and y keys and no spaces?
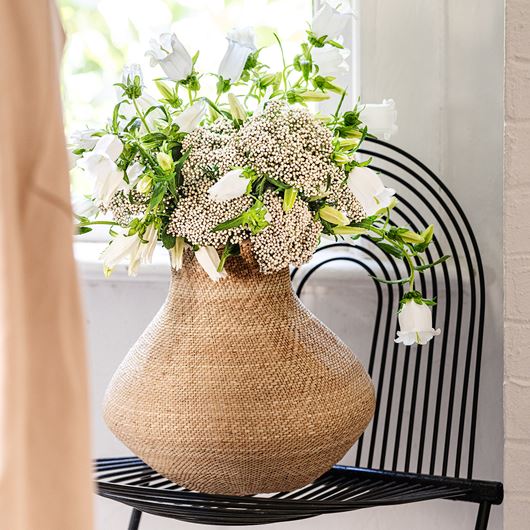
{"x":483,"y":516}
{"x":134,"y":521}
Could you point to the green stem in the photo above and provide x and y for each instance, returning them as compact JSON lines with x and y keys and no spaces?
{"x":284,"y":76}
{"x":89,"y":223}
{"x":412,"y":272}
{"x":190,"y":95}
{"x":407,"y":257}
{"x":140,"y":115}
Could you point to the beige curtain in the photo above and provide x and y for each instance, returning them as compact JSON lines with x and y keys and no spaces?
{"x":44,"y":437}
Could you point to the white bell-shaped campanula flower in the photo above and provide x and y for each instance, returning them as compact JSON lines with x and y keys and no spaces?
{"x":190,"y":119}
{"x":83,"y":139}
{"x":134,"y":249}
{"x":109,"y":145}
{"x":329,"y":21}
{"x":176,"y":254}
{"x":209,"y":260}
{"x":108,"y":183}
{"x":130,"y":72}
{"x":83,"y":206}
{"x":121,"y":248}
{"x":171,"y":55}
{"x":241,"y":43}
{"x":145,"y":251}
{"x":381,"y":118}
{"x":101,"y":166}
{"x":134,"y":172}
{"x":331,"y":60}
{"x":231,"y":185}
{"x":369,"y":189}
{"x":415,"y":323}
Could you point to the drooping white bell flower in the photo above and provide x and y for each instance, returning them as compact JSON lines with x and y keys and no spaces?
{"x":144,"y":253}
{"x":190,"y":119}
{"x":231,"y":185}
{"x":329,"y":21}
{"x":80,"y":139}
{"x":83,"y":206}
{"x":134,"y":171}
{"x":331,"y":61}
{"x":108,"y":183}
{"x":109,"y":145}
{"x":100,"y":165}
{"x":121,"y":248}
{"x":209,"y":260}
{"x":176,"y":254}
{"x":415,"y":323}
{"x":381,"y":118}
{"x":135,"y":249}
{"x":369,"y":189}
{"x":241,"y":43}
{"x":83,"y":139}
{"x":171,"y":55}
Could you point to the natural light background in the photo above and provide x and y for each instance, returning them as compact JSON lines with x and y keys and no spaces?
{"x":104,"y":35}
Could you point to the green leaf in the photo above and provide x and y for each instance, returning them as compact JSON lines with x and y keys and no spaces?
{"x":422,"y":268}
{"x":168,"y":240}
{"x":217,"y":109}
{"x":389,"y":249}
{"x":115,"y":116}
{"x":277,"y":183}
{"x":231,"y":223}
{"x":231,"y":249}
{"x":178,"y":167}
{"x":289,"y":196}
{"x":159,"y":190}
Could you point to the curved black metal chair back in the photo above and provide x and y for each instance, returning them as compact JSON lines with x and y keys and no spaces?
{"x":427,"y":397}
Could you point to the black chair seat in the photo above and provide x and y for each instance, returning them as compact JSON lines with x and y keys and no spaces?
{"x":130,"y":481}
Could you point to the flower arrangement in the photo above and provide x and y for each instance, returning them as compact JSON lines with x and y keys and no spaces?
{"x":250,"y":162}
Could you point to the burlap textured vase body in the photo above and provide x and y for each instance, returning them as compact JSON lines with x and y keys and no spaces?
{"x":236,"y":388}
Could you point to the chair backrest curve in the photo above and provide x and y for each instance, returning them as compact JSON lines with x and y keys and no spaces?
{"x":427,"y":397}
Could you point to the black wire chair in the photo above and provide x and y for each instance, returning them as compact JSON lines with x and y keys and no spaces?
{"x":421,"y":443}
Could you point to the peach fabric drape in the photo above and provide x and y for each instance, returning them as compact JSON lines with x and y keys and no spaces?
{"x":44,"y":437}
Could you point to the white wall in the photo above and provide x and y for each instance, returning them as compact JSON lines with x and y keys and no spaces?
{"x":442,"y":63}
{"x":517,"y":272}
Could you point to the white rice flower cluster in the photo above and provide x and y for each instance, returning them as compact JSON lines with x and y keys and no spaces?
{"x":342,"y":197}
{"x":196,"y":215}
{"x":291,"y":238}
{"x":211,"y":146}
{"x":284,"y":143}
{"x":289,"y":145}
{"x":125,"y":206}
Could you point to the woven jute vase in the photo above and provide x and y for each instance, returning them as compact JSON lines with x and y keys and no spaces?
{"x":236,"y":388}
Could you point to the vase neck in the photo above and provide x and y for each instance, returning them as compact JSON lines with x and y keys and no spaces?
{"x":244,"y":280}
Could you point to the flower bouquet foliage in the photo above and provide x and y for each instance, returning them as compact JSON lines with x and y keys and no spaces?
{"x":247,"y":161}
